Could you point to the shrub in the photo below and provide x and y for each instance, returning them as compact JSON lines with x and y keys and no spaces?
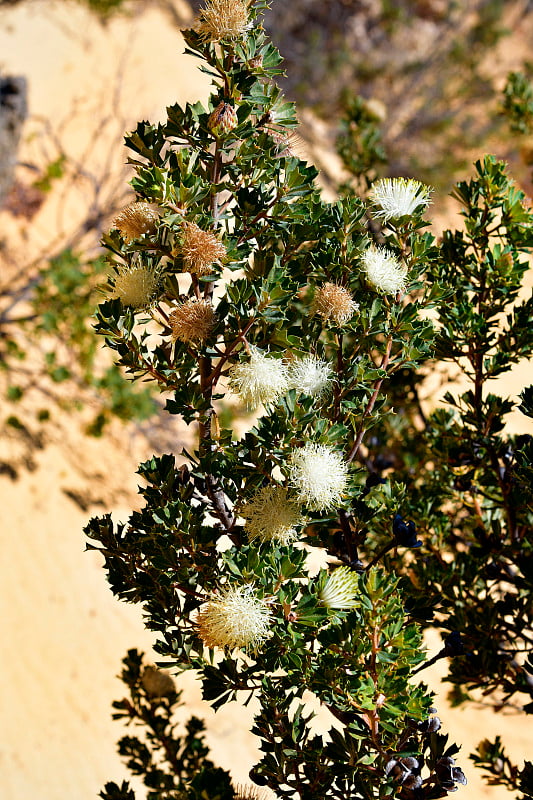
{"x":325,"y":318}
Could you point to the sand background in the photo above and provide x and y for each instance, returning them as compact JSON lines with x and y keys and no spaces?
{"x":62,"y":634}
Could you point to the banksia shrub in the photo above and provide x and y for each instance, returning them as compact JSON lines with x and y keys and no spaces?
{"x":319,"y":476}
{"x":398,"y":197}
{"x":310,"y":375}
{"x":324,"y":323}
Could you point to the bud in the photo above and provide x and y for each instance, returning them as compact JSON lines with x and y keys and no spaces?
{"x":505,"y":262}
{"x":334,"y":302}
{"x":282,"y":144}
{"x":341,"y":589}
{"x":222,"y":120}
{"x":200,"y":249}
{"x":136,"y":220}
{"x":376,"y":109}
{"x":192,"y":321}
{"x":157,"y":683}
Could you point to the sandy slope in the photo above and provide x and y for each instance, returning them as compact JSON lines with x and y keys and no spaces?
{"x":62,"y":634}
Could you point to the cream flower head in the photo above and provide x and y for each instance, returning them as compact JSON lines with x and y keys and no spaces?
{"x":136,"y":285}
{"x":333,"y":302}
{"x":310,"y":376}
{"x":399,"y":197}
{"x":319,"y":475}
{"x":261,"y":379}
{"x":271,"y":516}
{"x":236,"y":617}
{"x":340,"y":590}
{"x":384,"y":271}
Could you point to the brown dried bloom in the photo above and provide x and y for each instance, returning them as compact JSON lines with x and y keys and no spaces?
{"x":192,"y":321}
{"x":222,"y":120}
{"x":223,"y":19}
{"x":200,"y":249}
{"x":135,"y":220}
{"x":157,"y":683}
{"x":136,"y":286}
{"x":334,"y":302}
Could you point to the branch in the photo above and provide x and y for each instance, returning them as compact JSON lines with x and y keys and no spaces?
{"x":368,"y":410}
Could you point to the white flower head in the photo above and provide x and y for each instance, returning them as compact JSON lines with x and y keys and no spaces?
{"x":399,"y":197}
{"x":384,"y":271}
{"x":319,"y":475}
{"x":340,"y":590}
{"x":261,"y":379}
{"x":236,"y":617}
{"x":271,"y":515}
{"x":310,"y":376}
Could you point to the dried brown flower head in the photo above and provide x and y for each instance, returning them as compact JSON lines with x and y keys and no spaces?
{"x":223,"y":19}
{"x":136,"y":220}
{"x":157,"y":683}
{"x":192,"y":321}
{"x":222,"y":120}
{"x":334,"y":302}
{"x":200,"y":249}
